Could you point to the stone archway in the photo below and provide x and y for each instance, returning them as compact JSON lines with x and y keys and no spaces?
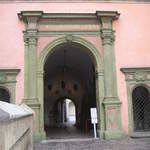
{"x":93,"y":54}
{"x":56,"y":78}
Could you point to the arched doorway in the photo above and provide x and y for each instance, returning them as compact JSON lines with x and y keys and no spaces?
{"x":94,"y":56}
{"x":69,"y":73}
{"x":141,"y":109}
{"x":70,"y":112}
{"x":65,"y":112}
{"x":4,"y":95}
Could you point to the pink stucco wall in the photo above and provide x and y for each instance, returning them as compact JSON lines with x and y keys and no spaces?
{"x":132,"y":44}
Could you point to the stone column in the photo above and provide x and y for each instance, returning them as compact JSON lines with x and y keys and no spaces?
{"x":32,"y":44}
{"x":30,"y":70}
{"x":99,"y":99}
{"x":107,"y":36}
{"x":111,"y":101}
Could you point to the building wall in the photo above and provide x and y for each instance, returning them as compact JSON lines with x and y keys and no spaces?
{"x":131,"y":43}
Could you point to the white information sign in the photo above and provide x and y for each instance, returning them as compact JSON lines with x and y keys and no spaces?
{"x":94,"y":120}
{"x":93,"y":115}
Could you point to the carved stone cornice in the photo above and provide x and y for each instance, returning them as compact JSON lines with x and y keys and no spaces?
{"x":35,"y":16}
{"x":107,"y":14}
{"x":136,"y":74}
{"x":30,"y":18}
{"x":8,"y":75}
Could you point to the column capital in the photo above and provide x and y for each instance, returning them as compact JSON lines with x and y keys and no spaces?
{"x":99,"y":73}
{"x":30,"y":37}
{"x":106,"y":19}
{"x":107,"y":36}
{"x":30,"y":40}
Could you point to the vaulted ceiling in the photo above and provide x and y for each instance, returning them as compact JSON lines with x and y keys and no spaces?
{"x":70,"y":59}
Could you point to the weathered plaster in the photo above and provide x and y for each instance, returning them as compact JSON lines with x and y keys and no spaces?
{"x":131,"y":38}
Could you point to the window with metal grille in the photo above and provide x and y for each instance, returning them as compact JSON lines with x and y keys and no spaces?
{"x":141,"y":109}
{"x":4,"y":95}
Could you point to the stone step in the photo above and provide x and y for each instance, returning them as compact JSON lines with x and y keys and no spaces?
{"x":68,"y":140}
{"x":140,"y":135}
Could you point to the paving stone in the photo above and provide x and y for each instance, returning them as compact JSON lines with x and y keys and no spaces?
{"x":122,"y":144}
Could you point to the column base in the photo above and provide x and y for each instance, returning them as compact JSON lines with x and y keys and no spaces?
{"x":38,"y":136}
{"x":100,"y":134}
{"x":113,"y":123}
{"x":35,"y":105}
{"x":113,"y":134}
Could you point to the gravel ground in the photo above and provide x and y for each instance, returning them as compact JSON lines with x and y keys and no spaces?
{"x":90,"y":144}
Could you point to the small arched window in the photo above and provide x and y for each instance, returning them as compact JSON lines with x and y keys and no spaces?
{"x":4,"y":95}
{"x":141,"y":108}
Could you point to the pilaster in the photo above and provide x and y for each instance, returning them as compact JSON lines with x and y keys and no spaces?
{"x":31,"y":19}
{"x":99,"y":99}
{"x":113,"y":128}
{"x":31,"y":98}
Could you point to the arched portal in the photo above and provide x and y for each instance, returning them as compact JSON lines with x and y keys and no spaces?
{"x":141,"y":109}
{"x":65,"y":112}
{"x":69,"y":72}
{"x":90,"y":54}
{"x":4,"y":95}
{"x":70,"y":112}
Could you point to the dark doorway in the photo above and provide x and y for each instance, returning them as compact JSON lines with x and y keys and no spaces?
{"x":141,"y":109}
{"x":69,"y":73}
{"x":66,"y":112}
{"x":4,"y":95}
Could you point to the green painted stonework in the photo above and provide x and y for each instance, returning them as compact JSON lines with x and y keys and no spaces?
{"x":135,"y":77}
{"x":8,"y":82}
{"x":111,"y":99}
{"x":106,"y":87}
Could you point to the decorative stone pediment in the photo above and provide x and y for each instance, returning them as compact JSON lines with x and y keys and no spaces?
{"x":8,"y":75}
{"x":8,"y":81}
{"x":39,"y":20}
{"x":136,"y":74}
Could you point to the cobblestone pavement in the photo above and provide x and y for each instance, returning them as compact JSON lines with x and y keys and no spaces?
{"x":90,"y":144}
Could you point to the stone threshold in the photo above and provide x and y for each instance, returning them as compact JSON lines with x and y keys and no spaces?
{"x":68,"y":140}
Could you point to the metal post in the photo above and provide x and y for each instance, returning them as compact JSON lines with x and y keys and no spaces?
{"x":95,"y":135}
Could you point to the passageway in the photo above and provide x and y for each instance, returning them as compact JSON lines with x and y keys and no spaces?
{"x":69,"y":75}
